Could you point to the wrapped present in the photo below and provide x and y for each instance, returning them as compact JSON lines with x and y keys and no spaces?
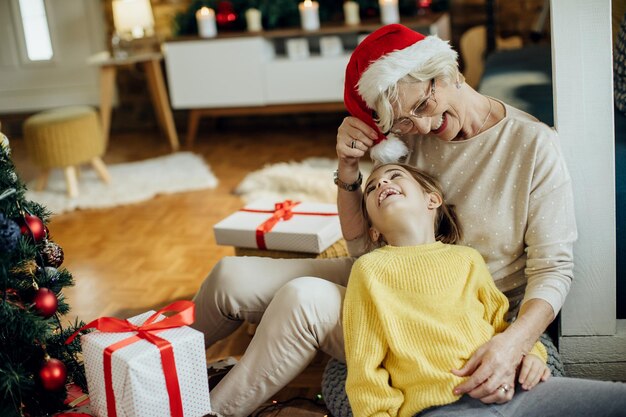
{"x":288,"y":225}
{"x":148,"y":365}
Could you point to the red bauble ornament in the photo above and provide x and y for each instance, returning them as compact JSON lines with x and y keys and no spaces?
{"x":53,"y":374}
{"x":225,"y":16}
{"x":45,"y":302}
{"x":33,"y":227}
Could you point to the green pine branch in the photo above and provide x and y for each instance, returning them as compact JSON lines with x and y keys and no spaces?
{"x":25,"y":336}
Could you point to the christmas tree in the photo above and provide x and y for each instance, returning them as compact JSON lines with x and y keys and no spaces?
{"x":35,"y":364}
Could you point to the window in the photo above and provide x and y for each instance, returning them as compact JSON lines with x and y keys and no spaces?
{"x":36,"y":32}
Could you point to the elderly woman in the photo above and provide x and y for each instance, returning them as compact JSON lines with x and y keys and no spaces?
{"x":500,"y":167}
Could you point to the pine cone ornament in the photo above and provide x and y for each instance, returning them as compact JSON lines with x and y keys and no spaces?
{"x":9,"y":234}
{"x":52,"y":254}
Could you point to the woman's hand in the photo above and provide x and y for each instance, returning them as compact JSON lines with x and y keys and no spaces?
{"x":491,"y":371}
{"x":354,"y":138}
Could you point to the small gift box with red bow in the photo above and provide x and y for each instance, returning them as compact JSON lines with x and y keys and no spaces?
{"x":148,"y":365}
{"x":287,"y":226}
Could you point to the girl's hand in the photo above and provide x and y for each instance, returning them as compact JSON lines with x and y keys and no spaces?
{"x":354,"y":138}
{"x":489,"y":369}
{"x":532,"y":371}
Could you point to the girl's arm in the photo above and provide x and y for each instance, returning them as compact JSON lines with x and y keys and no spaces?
{"x":367,"y":383}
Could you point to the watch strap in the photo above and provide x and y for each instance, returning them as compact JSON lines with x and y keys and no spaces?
{"x":348,"y":187}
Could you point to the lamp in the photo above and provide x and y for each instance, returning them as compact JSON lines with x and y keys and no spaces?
{"x":133,"y":18}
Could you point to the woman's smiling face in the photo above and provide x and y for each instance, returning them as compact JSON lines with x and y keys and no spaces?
{"x":428,"y":108}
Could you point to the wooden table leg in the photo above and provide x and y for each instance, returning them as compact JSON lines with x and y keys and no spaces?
{"x":160,"y":100}
{"x":107,"y":89}
{"x":192,"y":126}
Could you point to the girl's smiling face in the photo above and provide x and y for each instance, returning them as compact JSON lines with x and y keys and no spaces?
{"x":392,"y":191}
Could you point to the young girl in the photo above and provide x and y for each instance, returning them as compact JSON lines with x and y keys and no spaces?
{"x":418,"y":307}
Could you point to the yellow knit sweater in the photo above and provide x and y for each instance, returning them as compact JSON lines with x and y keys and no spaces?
{"x":410,"y":315}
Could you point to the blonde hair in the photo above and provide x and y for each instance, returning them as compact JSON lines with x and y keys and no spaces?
{"x":447,"y":226}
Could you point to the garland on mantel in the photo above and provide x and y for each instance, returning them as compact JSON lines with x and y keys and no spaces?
{"x":283,"y":13}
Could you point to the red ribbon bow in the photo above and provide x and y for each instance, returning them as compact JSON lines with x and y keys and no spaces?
{"x":146,"y":331}
{"x":282,"y":211}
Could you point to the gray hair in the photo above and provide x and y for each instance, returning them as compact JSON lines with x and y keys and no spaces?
{"x":441,"y":67}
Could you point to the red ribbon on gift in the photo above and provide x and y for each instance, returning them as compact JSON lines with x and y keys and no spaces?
{"x":282,"y":211}
{"x":146,"y":331}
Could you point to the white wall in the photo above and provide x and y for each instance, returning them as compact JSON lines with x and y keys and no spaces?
{"x":593,"y":342}
{"x":77,"y":31}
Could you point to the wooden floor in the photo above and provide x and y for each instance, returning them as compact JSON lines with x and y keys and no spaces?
{"x":130,"y":259}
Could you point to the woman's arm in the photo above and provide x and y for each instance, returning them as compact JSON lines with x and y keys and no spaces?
{"x":349,"y":202}
{"x":496,"y":362}
{"x":551,"y":232}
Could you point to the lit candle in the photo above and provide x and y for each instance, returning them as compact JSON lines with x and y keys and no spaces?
{"x":206,"y":22}
{"x":309,"y":15}
{"x":351,"y":13}
{"x":389,"y":12}
{"x":253,"y":20}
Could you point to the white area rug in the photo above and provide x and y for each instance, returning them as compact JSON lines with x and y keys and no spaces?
{"x":310,"y":180}
{"x":130,"y":183}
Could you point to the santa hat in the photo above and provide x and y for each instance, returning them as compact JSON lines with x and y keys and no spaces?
{"x":380,"y":61}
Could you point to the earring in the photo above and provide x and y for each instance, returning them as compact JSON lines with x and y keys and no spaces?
{"x":458,"y":84}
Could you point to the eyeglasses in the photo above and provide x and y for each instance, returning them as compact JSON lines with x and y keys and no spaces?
{"x":422,"y":108}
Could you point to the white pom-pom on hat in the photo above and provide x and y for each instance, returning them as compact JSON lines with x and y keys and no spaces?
{"x":389,"y":150}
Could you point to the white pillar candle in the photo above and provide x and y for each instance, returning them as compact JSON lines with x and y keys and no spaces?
{"x":205,"y":18}
{"x":253,"y":20}
{"x":351,"y":13}
{"x":389,"y":12}
{"x":309,"y":15}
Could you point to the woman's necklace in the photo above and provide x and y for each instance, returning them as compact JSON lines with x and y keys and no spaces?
{"x":486,"y":118}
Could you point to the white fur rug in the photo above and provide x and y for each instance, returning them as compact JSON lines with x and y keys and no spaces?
{"x":130,"y":183}
{"x":309,"y":180}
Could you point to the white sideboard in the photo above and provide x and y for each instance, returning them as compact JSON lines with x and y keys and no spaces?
{"x":248,"y":70}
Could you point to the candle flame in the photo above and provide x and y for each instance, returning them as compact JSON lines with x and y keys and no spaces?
{"x":205,"y":11}
{"x":308,"y":3}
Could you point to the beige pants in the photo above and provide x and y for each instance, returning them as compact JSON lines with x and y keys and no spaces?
{"x":297,"y":304}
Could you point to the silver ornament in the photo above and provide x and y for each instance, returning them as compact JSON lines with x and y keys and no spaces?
{"x":4,"y":144}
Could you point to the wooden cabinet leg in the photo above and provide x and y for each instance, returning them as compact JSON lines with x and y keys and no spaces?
{"x":72,"y":182}
{"x":192,"y":126}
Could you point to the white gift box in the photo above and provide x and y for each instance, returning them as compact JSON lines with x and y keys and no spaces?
{"x":312,"y":228}
{"x":137,"y":373}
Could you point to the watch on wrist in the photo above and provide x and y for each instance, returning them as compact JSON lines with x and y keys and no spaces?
{"x":348,"y":187}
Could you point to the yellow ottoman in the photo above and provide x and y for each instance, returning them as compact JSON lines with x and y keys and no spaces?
{"x":65,"y":138}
